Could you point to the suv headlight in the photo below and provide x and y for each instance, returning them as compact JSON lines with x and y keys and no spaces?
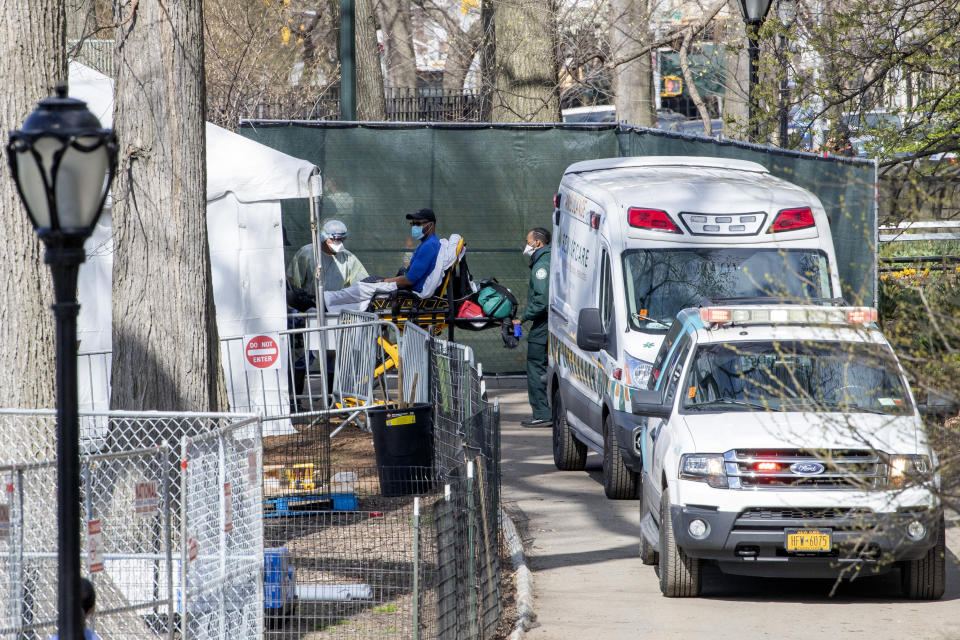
{"x":638,"y":371}
{"x":704,"y":467}
{"x":907,"y":469}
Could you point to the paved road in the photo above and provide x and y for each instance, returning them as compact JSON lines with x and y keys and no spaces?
{"x":589,"y":583}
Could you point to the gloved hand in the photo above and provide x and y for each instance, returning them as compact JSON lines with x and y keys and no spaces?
{"x":299,"y":299}
{"x":506,"y":332}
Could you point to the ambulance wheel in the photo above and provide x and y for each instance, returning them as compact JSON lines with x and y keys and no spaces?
{"x":925,"y":579}
{"x":569,"y":454}
{"x":679,"y":573}
{"x":647,"y":554}
{"x":619,"y":483}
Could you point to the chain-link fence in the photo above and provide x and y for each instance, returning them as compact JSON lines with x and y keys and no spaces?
{"x":391,"y":552}
{"x":137,"y":511}
{"x":222,"y":518}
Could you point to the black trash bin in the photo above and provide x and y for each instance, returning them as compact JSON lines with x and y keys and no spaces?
{"x":403,"y":444}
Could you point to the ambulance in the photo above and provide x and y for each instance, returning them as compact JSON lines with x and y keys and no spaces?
{"x":636,"y":240}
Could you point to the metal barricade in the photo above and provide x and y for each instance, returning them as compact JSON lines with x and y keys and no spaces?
{"x":414,"y":355}
{"x":355,"y":359}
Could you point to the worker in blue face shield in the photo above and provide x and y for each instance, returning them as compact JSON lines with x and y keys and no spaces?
{"x":340,"y":267}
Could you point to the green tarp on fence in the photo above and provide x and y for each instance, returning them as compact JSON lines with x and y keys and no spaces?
{"x":491,"y":184}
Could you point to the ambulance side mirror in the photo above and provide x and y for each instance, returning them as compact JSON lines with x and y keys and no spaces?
{"x":649,"y":402}
{"x":590,"y":334}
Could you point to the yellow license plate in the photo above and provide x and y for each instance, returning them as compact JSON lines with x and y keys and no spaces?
{"x":808,"y":540}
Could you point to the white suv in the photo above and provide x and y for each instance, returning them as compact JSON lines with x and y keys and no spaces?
{"x":784,"y":441}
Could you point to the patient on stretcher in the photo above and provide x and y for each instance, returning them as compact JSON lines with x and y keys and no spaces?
{"x":357,"y":297}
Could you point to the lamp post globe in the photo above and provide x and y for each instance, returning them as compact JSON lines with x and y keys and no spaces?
{"x":754,"y":13}
{"x":63,"y":162}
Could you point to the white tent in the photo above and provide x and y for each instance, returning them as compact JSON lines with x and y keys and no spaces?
{"x":245,"y":183}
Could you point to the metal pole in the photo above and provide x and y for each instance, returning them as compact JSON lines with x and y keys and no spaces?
{"x":64,"y":255}
{"x":166,"y":455}
{"x":753,"y":50}
{"x":316,"y":191}
{"x":184,"y":541}
{"x":416,"y":569}
{"x":471,"y":564}
{"x":348,"y":68}
{"x":784,"y":94}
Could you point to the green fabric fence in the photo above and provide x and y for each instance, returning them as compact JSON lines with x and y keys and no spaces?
{"x":491,"y":183}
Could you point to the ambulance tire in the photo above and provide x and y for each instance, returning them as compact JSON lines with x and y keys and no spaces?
{"x":569,"y":454}
{"x":679,"y":573}
{"x":648,"y":555}
{"x":619,"y":483}
{"x":925,"y":579}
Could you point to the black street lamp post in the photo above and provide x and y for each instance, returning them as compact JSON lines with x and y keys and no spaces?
{"x":63,"y":162}
{"x":754,"y":13}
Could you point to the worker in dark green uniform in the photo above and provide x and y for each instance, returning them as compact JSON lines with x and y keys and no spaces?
{"x":538,"y":301}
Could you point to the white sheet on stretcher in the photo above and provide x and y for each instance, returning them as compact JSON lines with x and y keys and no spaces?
{"x":357,"y":296}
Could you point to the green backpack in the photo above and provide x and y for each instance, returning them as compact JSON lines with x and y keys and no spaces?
{"x":496,"y":300}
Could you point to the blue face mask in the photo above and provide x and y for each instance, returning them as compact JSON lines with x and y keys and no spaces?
{"x":416,"y":232}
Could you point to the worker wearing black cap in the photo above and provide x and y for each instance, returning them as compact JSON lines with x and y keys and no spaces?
{"x":422,"y":225}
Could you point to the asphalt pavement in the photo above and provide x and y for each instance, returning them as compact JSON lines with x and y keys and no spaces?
{"x":589,"y":582}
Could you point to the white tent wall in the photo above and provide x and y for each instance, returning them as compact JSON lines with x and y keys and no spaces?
{"x":245,"y":183}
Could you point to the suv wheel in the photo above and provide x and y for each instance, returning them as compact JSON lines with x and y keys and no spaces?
{"x":619,"y":483}
{"x":647,"y":555}
{"x":569,"y":454}
{"x":679,"y":573}
{"x":925,"y":579}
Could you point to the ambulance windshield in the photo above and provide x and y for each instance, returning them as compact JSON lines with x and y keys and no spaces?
{"x":661,"y":282}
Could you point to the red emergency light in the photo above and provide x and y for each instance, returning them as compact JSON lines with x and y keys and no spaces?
{"x":652,"y":219}
{"x":864,"y":315}
{"x":792,"y":220}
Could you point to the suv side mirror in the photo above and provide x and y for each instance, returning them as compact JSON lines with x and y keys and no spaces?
{"x":939,"y":404}
{"x":590,"y":335}
{"x":649,"y":402}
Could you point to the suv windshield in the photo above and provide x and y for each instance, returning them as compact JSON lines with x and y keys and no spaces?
{"x":661,"y":282}
{"x":852,"y":377}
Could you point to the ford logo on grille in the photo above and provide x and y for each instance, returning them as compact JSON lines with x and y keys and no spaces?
{"x":807,"y":468}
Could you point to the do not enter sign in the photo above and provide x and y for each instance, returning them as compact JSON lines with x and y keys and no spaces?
{"x":262,"y":351}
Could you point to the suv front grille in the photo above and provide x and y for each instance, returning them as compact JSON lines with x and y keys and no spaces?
{"x":827,"y":469}
{"x":785,"y":513}
{"x":778,"y":518}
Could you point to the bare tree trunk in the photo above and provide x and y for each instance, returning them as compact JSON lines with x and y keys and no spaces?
{"x":692,"y":87}
{"x":397,"y":27}
{"x":463,"y":50}
{"x":632,"y":81}
{"x":736,"y":98}
{"x":166,"y":352}
{"x":33,"y":61}
{"x":370,"y":101}
{"x":81,"y":18}
{"x":526,"y":66}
